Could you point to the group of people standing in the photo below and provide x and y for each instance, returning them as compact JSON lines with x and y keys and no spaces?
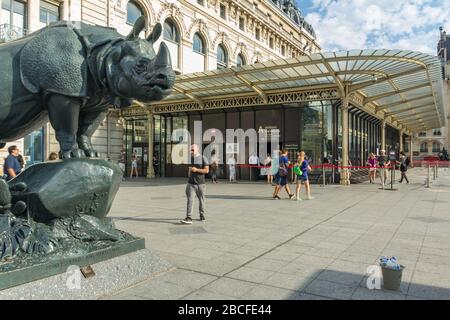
{"x":301,"y":169}
{"x":383,"y":164}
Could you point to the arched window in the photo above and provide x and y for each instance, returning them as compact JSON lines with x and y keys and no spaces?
{"x":133,"y":12}
{"x":171,"y":37}
{"x":436,"y":146}
{"x":222,"y":57}
{"x":240,"y":61}
{"x":424,"y":147}
{"x":171,"y":32}
{"x":198,"y":46}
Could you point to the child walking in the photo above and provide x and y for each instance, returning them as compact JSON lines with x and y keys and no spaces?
{"x":302,"y":177}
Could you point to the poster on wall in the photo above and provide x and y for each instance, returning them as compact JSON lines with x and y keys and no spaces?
{"x":232,"y":148}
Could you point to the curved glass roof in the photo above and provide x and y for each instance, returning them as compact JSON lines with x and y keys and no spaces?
{"x":404,"y":85}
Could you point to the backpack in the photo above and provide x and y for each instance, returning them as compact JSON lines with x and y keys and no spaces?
{"x":407,"y":161}
{"x":282,"y":171}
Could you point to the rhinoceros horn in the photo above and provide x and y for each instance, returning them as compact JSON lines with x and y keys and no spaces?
{"x":139,"y":25}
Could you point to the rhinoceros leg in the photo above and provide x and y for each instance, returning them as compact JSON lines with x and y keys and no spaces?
{"x":89,"y":122}
{"x":63,"y":113}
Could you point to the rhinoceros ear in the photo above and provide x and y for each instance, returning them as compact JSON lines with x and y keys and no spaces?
{"x":156,"y":33}
{"x":139,"y":25}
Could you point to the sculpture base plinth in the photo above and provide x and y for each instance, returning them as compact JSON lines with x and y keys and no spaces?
{"x":12,"y":274}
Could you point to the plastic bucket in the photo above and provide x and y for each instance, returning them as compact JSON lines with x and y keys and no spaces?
{"x":392,"y":278}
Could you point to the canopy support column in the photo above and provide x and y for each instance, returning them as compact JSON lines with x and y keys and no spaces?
{"x":150,"y":169}
{"x":345,"y":172}
{"x":383,"y":134}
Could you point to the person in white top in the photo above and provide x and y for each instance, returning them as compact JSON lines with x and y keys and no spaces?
{"x":231,"y":162}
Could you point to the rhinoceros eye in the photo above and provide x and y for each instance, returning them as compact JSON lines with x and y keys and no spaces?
{"x":141,"y":66}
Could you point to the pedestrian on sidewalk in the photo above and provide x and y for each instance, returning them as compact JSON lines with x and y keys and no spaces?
{"x":303,"y":177}
{"x":372,"y":163}
{"x":11,"y":167}
{"x":404,"y":162}
{"x":383,"y":165}
{"x":281,"y":178}
{"x":214,"y":166}
{"x":231,"y":162}
{"x":199,"y":167}
{"x":134,"y":165}
{"x":268,"y":169}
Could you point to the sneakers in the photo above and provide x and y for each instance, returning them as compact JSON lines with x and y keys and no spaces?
{"x":310,"y":198}
{"x":291,"y":196}
{"x":187,"y":220}
{"x":202,"y":218}
{"x":277,"y":197}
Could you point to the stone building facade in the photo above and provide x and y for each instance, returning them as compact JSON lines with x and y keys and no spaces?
{"x":430,"y":143}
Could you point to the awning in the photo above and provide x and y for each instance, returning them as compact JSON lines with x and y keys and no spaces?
{"x":404,"y":87}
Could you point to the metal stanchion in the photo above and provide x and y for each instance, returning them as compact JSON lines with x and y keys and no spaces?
{"x":434,"y":172}
{"x":323,"y":175}
{"x":427,"y":185}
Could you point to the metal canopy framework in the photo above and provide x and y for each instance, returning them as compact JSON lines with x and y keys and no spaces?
{"x":388,"y":84}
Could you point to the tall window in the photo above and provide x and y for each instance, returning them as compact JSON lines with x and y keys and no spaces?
{"x":48,"y":13}
{"x":133,"y":12}
{"x":242,"y":23}
{"x":424,"y":147}
{"x":14,"y":13}
{"x":271,"y":43}
{"x":258,"y":34}
{"x":223,"y":11}
{"x":222,"y":57}
{"x":170,"y":31}
{"x":436,"y":147}
{"x":283,"y":50}
{"x":240,"y":61}
{"x":198,"y":45}
{"x":172,"y":37}
{"x":200,"y":2}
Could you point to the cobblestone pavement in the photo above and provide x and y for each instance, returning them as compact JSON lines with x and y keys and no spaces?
{"x":255,"y":247}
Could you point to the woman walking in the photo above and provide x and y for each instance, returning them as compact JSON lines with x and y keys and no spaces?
{"x":214,"y":167}
{"x":372,"y":163}
{"x":403,"y":166}
{"x":302,"y":177}
{"x":133,"y":165}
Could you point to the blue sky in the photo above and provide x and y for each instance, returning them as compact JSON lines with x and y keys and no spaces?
{"x":382,"y":24}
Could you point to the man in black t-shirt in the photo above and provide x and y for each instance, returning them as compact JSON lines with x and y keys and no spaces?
{"x":198,"y":168}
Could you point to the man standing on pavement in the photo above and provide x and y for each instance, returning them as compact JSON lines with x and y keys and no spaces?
{"x":12,"y":165}
{"x":196,"y":184}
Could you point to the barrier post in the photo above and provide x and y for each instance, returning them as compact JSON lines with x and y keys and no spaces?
{"x":323,"y":175}
{"x":434,"y":171}
{"x":428,"y":176}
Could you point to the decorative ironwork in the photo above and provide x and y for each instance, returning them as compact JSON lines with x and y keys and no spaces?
{"x":246,"y":101}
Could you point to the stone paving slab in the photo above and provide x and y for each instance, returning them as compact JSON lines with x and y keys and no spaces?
{"x":254,"y":247}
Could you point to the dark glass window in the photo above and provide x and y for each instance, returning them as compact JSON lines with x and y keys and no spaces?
{"x":171,"y":32}
{"x":200,"y":2}
{"x":198,"y":45}
{"x":271,"y":43}
{"x":424,"y":147}
{"x":242,"y":24}
{"x":222,"y":57}
{"x":240,"y":61}
{"x":283,"y":50}
{"x":48,"y":13}
{"x":436,"y":147}
{"x":422,"y":134}
{"x":437,"y":132}
{"x":223,"y":11}
{"x":133,"y":12}
{"x":258,"y":34}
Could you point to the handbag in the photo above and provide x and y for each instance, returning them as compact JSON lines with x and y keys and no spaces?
{"x":282,"y":171}
{"x":298,"y":171}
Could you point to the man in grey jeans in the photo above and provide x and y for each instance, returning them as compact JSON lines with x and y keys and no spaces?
{"x":199,"y":166}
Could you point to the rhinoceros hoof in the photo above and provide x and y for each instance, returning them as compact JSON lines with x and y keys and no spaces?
{"x":60,"y":189}
{"x":13,"y":233}
{"x":40,"y":241}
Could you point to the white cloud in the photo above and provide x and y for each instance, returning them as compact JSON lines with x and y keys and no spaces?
{"x":387,"y":24}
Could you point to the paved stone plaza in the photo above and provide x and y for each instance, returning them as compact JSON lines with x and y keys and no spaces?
{"x":254,"y":247}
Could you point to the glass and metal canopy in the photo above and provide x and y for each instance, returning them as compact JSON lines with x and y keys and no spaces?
{"x":403,"y":87}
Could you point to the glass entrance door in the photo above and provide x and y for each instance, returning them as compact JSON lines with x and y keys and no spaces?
{"x":136,"y":141}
